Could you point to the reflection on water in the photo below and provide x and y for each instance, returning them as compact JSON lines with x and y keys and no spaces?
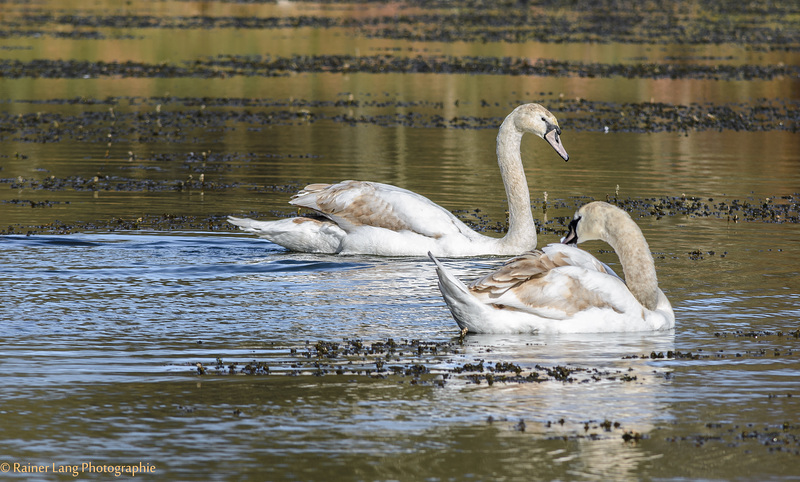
{"x":627,"y":386}
{"x":155,"y":333}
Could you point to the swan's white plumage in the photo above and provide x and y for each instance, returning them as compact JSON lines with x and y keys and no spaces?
{"x":563,"y":289}
{"x":307,"y":235}
{"x":353,"y":204}
{"x":361,"y":217}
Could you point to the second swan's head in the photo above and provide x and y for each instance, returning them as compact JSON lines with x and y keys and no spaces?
{"x":537,"y":120}
{"x":597,"y":220}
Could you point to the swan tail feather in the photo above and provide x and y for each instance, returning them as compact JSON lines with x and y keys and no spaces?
{"x":246,"y":224}
{"x":307,"y":235}
{"x":465,"y":308}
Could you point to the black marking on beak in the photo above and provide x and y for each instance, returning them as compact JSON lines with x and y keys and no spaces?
{"x":572,"y":234}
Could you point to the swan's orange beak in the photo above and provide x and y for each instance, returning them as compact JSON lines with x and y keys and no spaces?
{"x":554,"y":139}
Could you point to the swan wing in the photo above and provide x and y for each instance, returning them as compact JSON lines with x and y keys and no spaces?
{"x":536,"y":264}
{"x":351,"y":204}
{"x":574,"y":256}
{"x":555,"y":283}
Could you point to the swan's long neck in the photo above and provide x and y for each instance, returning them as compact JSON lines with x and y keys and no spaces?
{"x":521,"y":228}
{"x":637,"y":262}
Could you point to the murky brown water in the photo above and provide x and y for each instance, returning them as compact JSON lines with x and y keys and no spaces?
{"x":325,"y":367}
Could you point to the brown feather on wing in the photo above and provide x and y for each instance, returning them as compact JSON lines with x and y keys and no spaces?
{"x":518,"y":270}
{"x":523,"y":276}
{"x":350,"y":204}
{"x":573,"y":297}
{"x":316,"y":187}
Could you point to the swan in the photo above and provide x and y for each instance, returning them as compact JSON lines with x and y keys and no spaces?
{"x":363,"y":217}
{"x":563,"y":289}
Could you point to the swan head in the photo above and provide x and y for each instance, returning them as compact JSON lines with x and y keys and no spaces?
{"x":592,"y":221}
{"x":537,"y":120}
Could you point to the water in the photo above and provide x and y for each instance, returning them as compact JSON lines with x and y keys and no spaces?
{"x":103,"y":333}
{"x":140,"y":330}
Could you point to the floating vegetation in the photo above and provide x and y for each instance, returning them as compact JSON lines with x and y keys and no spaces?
{"x":776,"y":438}
{"x":228,"y":66}
{"x":786,"y":209}
{"x":351,"y":357}
{"x":162,"y":222}
{"x":759,"y":334}
{"x":184,"y":120}
{"x":33,"y":204}
{"x":437,"y":364}
{"x":421,"y":361}
{"x":720,"y":354}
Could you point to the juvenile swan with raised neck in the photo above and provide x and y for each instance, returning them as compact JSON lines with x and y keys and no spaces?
{"x":362,"y":217}
{"x":563,"y":289}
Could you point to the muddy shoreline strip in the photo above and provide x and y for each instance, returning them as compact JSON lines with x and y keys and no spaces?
{"x":781,"y":210}
{"x":152,"y":119}
{"x":756,"y":25}
{"x":257,"y":66}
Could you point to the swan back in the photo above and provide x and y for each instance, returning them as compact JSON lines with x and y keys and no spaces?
{"x":354,"y":204}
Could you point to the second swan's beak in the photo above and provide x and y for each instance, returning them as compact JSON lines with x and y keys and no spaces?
{"x":553,"y":137}
{"x":572,"y":235}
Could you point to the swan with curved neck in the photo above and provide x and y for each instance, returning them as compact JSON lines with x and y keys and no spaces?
{"x":563,"y":289}
{"x":363,"y":217}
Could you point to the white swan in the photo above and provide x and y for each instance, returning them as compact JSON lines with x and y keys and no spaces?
{"x":362,"y":217}
{"x":563,"y":289}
